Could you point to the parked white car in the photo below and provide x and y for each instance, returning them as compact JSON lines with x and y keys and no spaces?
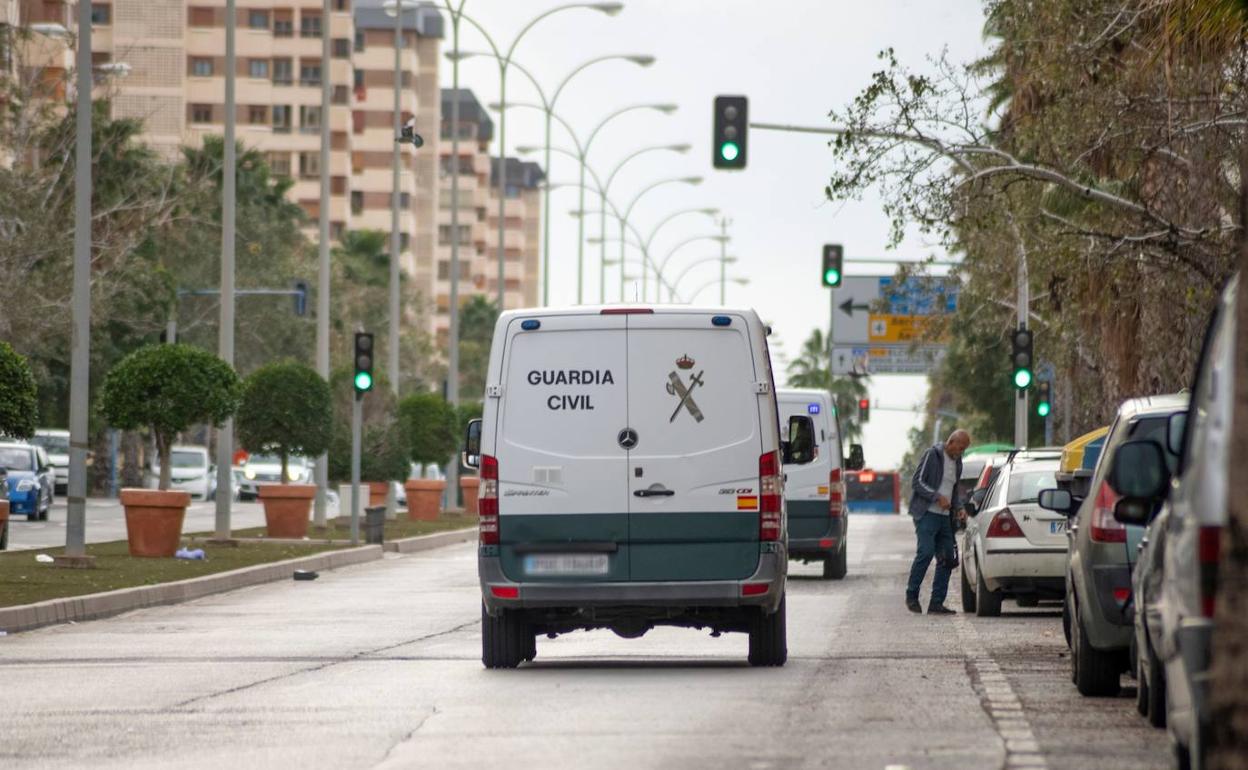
{"x":191,"y":470}
{"x":56,"y":443}
{"x":1012,"y":548}
{"x":267,"y":469}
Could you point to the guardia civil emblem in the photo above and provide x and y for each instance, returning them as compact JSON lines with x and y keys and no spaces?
{"x":676,"y":386}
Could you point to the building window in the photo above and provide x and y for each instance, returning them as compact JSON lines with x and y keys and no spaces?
{"x":201,"y":67}
{"x":342,"y":48}
{"x":281,"y":118}
{"x":202,"y":17}
{"x":310,"y":25}
{"x":258,"y":19}
{"x":201,"y":113}
{"x":309,"y":164}
{"x":359,"y":41}
{"x":282,"y":72}
{"x":341,"y":95}
{"x":404,"y":240}
{"x":279,"y":163}
{"x":342,"y":6}
{"x":357,"y":202}
{"x":309,"y":119}
{"x":101,"y":14}
{"x":258,"y":68}
{"x":257,"y":115}
{"x":405,"y":200}
{"x":444,"y":235}
{"x":358,"y":81}
{"x":283,"y":27}
{"x":310,"y":74}
{"x":337,"y":230}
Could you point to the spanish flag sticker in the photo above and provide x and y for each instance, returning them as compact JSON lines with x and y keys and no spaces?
{"x":747,"y":502}
{"x":823,"y":490}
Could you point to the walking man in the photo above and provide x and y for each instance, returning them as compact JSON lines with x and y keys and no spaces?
{"x":933,"y":504}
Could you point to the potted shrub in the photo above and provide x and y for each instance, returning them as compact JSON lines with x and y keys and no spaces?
{"x":430,"y":423}
{"x":384,"y":459}
{"x":167,"y":389}
{"x":286,"y":410}
{"x":18,"y":395}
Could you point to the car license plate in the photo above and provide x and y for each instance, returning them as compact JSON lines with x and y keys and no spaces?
{"x":1058,"y":526}
{"x":567,"y":564}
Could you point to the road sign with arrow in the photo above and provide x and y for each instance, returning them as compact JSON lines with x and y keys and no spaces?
{"x":884,"y":327}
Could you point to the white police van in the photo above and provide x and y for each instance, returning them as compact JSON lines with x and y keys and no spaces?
{"x":814,"y":492}
{"x":630,"y":463}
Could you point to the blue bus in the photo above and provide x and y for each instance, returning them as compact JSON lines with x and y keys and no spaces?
{"x":868,"y":491}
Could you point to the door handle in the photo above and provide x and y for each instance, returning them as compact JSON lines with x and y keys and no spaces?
{"x":654,"y":492}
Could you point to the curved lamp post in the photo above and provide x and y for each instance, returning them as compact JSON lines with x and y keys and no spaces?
{"x":698,"y":263}
{"x":690,"y":180}
{"x":709,"y":284}
{"x":671,"y":286}
{"x":504,"y":61}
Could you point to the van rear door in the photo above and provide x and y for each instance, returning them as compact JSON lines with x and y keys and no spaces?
{"x":563,"y":491}
{"x":807,"y":487}
{"x":693,"y":476}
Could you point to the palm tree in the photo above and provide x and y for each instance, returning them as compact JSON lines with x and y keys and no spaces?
{"x":811,"y":370}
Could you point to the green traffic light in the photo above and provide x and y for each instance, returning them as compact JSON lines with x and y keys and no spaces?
{"x":1043,"y":408}
{"x":729,"y":151}
{"x":832,"y":276}
{"x":1022,"y":378}
{"x":363,"y":381}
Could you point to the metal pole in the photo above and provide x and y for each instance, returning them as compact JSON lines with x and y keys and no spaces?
{"x":322,"y":276}
{"x":393,"y":352}
{"x":225,"y":334}
{"x":1020,"y":402}
{"x":546,"y":222}
{"x":502,"y":181}
{"x":580,"y":237}
{"x":602,"y":255}
{"x":80,"y":356}
{"x":622,"y":245}
{"x":357,"y":417}
{"x":723,"y":268}
{"x":452,"y":376}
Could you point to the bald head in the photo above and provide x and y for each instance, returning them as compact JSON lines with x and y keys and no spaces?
{"x":957,"y":443}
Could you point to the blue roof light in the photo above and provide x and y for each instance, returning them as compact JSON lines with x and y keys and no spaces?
{"x":812,"y":408}
{"x":530,"y":324}
{"x":721,"y":320}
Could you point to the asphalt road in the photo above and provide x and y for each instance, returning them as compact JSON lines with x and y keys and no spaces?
{"x":106,"y":521}
{"x":378,"y":666}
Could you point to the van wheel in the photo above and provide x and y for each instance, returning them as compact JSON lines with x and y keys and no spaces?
{"x":968,"y":593}
{"x":503,"y":639}
{"x":1066,"y":619}
{"x":530,"y":642}
{"x":1154,"y":693}
{"x":768,"y":638}
{"x":1096,"y":672}
{"x":836,"y":566}
{"x":987,"y":603}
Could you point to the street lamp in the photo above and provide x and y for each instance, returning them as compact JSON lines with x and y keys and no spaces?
{"x":504,"y":61}
{"x":709,"y":284}
{"x":225,"y":331}
{"x":548,"y":107}
{"x":698,"y":263}
{"x":689,"y":180}
{"x":671,"y":286}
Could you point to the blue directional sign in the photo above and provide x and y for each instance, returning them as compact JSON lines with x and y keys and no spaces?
{"x":919,"y":296}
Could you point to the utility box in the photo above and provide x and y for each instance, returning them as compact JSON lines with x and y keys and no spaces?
{"x":375,"y":524}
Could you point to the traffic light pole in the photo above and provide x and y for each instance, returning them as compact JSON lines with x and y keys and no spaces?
{"x":357,"y":417}
{"x":1023,"y":306}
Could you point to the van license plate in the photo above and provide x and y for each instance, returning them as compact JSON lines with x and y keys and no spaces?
{"x":567,"y":564}
{"x":1058,"y":527}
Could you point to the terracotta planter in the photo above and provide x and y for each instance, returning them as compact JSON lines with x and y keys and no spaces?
{"x":154,"y":520}
{"x":469,"y":485}
{"x":286,"y":509}
{"x":377,"y":492}
{"x":4,"y":515}
{"x":424,"y":498}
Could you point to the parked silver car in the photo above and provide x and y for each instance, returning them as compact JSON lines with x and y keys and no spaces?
{"x":1193,"y":527}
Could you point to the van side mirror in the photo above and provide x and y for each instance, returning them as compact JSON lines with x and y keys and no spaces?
{"x":472,"y":445}
{"x":800,"y":447}
{"x":1139,"y":471}
{"x":1176,"y":427}
{"x":1059,"y":500}
{"x":856,"y":461}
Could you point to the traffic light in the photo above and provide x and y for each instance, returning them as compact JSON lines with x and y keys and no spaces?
{"x":731,"y":122}
{"x":1021,"y":358}
{"x":363,"y":362}
{"x":1044,"y":404}
{"x":833,"y":264}
{"x":864,"y":409}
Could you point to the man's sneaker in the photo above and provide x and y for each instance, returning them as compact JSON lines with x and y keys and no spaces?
{"x":940,"y":609}
{"x":914,"y":606}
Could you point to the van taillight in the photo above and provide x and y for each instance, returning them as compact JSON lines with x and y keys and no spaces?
{"x":836,"y":494}
{"x":1210,"y":548}
{"x":1105,"y":528}
{"x":771,"y":493}
{"x":487,"y":502}
{"x":1004,"y":525}
{"x":627,"y":311}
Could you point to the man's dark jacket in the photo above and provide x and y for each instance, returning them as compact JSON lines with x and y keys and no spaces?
{"x":925,"y":483}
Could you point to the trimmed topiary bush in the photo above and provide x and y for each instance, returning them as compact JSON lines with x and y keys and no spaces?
{"x":286,"y":410}
{"x":432,"y":428}
{"x":18,"y":394}
{"x":167,"y":389}
{"x":385,"y":454}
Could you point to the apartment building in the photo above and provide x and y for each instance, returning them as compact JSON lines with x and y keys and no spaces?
{"x":478,"y":216}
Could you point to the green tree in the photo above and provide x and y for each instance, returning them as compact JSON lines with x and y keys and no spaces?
{"x":286,"y":410}
{"x":386,"y":454}
{"x":477,"y":318}
{"x":810,"y":369}
{"x":167,"y":389}
{"x":431,"y":424}
{"x":17,"y":394}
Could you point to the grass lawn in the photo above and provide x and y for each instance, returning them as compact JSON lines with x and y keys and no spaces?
{"x":339,"y":528}
{"x":23,"y":580}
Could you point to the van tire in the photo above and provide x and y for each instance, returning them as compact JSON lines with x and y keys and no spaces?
{"x":1096,"y":673}
{"x":836,"y":566}
{"x":1151,"y":696}
{"x":768,"y":638}
{"x":987,"y":603}
{"x":503,"y":639}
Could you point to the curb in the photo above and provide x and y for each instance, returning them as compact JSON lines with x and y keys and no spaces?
{"x":429,"y":542}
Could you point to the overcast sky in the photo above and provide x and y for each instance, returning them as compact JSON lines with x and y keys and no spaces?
{"x":795,"y":60}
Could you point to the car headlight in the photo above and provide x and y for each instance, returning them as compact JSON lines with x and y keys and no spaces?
{"x":294,"y":474}
{"x":249,"y":473}
{"x":25,"y":485}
